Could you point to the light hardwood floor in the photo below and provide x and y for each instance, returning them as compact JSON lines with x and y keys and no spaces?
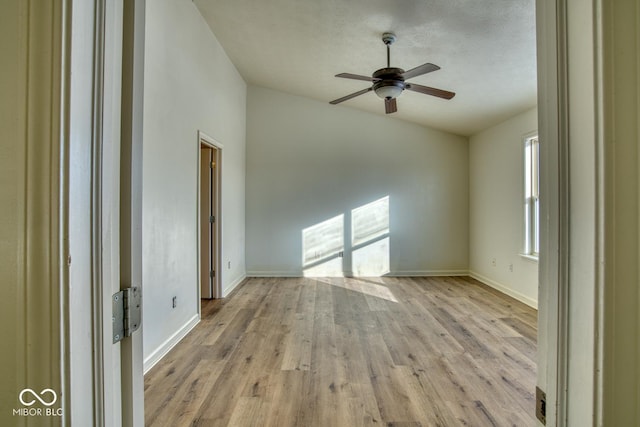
{"x":337,"y":352}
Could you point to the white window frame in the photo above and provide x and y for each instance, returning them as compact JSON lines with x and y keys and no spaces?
{"x":531,"y":155}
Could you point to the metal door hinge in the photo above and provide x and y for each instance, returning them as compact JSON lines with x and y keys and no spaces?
{"x":126,"y":315}
{"x":212,"y":219}
{"x":213,"y":165}
{"x":212,"y":273}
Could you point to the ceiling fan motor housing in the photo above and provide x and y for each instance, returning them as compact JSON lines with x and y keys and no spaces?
{"x":389,"y":82}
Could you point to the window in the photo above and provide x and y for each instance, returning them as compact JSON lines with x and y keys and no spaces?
{"x":531,"y":199}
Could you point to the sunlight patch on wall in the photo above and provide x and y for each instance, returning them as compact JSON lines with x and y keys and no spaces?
{"x":322,"y":248}
{"x":324,"y":245}
{"x":370,"y":221}
{"x":370,"y":239}
{"x":372,"y":259}
{"x":330,"y":268}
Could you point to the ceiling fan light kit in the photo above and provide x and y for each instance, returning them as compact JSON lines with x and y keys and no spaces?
{"x":389,"y":82}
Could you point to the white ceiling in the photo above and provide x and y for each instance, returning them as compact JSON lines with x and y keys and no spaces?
{"x":485,"y":48}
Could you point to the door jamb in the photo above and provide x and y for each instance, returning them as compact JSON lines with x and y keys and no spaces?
{"x":133,"y":48}
{"x":551,"y":29}
{"x":204,"y":139}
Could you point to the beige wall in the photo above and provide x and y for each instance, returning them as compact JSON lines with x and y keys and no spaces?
{"x":496,"y":205}
{"x":31,"y":231}
{"x":12,"y":187}
{"x":621,"y":364}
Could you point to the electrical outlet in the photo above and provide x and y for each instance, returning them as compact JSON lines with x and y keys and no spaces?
{"x":511,"y":268}
{"x":229,"y":265}
{"x":493,"y":262}
{"x":174,"y":302}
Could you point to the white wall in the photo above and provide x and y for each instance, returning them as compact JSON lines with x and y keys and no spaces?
{"x":308,"y":161}
{"x":190,"y":85}
{"x":496,"y":187}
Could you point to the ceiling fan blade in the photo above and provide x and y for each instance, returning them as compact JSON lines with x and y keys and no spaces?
{"x":356,"y":77}
{"x":353,"y":95}
{"x":420,"y":70}
{"x":390,"y":105}
{"x":430,"y":91}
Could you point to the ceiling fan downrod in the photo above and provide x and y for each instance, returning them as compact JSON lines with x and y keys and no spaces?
{"x":388,"y":39}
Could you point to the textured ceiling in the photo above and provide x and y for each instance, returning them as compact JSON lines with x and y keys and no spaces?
{"x":485,"y":48}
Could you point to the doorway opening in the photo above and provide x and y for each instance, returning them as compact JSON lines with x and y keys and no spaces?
{"x":209,"y":218}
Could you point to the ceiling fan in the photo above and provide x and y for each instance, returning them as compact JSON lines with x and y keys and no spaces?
{"x":389,"y":82}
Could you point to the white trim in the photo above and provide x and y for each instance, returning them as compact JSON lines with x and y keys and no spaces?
{"x":132,"y":27}
{"x":427,"y":273}
{"x":274,"y":273}
{"x":530,"y":257}
{"x":401,"y":273}
{"x":171,"y":342}
{"x":205,"y":139}
{"x":553,"y":123}
{"x":231,"y":286}
{"x":504,"y":289}
{"x":209,"y":140}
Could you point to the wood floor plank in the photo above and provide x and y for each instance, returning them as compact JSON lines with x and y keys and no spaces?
{"x":430,"y":411}
{"x":307,"y":297}
{"x":350,"y":352}
{"x":249,"y":411}
{"x":521,"y":327}
{"x":524,"y":346}
{"x":472,"y":413}
{"x":297,"y":351}
{"x":231,"y":334}
{"x":462,"y":332}
{"x":288,"y":398}
{"x":183,"y":404}
{"x":323,"y":404}
{"x":399,"y":348}
{"x":167,"y":377}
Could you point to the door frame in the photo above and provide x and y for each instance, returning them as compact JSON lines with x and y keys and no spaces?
{"x":588,"y":106}
{"x":553,"y":264}
{"x":204,"y":139}
{"x":131,"y":166}
{"x":103,"y":184}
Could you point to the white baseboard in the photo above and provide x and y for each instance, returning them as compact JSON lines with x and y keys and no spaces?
{"x":505,"y":289}
{"x":171,"y":342}
{"x":427,"y":273}
{"x":406,"y":273}
{"x":231,"y":286}
{"x":274,"y":273}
